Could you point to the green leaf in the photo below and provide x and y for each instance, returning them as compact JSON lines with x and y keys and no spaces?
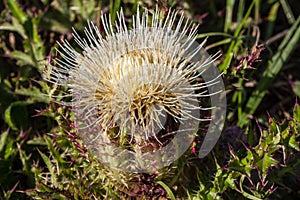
{"x":235,"y":43}
{"x":296,"y":88}
{"x":297,"y":113}
{"x":293,"y":143}
{"x":9,"y":150}
{"x":57,"y":156}
{"x":10,"y":119}
{"x":37,"y":141}
{"x":16,"y":11}
{"x":58,"y":196}
{"x":288,"y":11}
{"x":241,"y":165}
{"x":56,"y":21}
{"x":24,"y":159}
{"x":114,"y":6}
{"x":245,"y":194}
{"x":228,"y":18}
{"x":34,"y":93}
{"x":50,"y":167}
{"x":265,"y":163}
{"x":84,"y":8}
{"x":169,"y":191}
{"x":3,"y":138}
{"x":271,"y":20}
{"x":22,"y":58}
{"x":15,"y":26}
{"x":229,"y":181}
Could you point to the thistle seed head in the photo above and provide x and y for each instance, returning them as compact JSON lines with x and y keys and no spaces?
{"x":133,"y":78}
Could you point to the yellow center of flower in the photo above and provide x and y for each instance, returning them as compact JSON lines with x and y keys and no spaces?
{"x":134,"y":82}
{"x":146,"y":98}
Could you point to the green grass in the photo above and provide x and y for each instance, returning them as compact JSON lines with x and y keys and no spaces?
{"x":257,"y":156}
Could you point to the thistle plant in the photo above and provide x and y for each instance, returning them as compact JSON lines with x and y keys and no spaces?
{"x":133,"y":84}
{"x":47,"y":152}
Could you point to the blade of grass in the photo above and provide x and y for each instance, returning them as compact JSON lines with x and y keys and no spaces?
{"x":240,"y":11}
{"x":274,"y":66}
{"x":234,"y":44}
{"x":228,"y":17}
{"x":240,"y":98}
{"x":256,"y":11}
{"x":222,"y":42}
{"x":204,"y":35}
{"x":114,"y":6}
{"x":288,"y":11}
{"x":16,"y":11}
{"x":271,"y":20}
{"x":169,"y":191}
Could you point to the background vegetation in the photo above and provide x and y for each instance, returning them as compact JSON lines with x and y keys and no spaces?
{"x":257,"y":156}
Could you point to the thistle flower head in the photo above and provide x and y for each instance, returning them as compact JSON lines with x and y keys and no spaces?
{"x":134,"y":79}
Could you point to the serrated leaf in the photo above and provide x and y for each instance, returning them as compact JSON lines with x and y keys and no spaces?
{"x":265,"y":163}
{"x":36,"y":50}
{"x":293,"y":143}
{"x":7,"y":114}
{"x":24,"y":159}
{"x":22,"y":58}
{"x":245,"y":194}
{"x":284,"y":134}
{"x":273,"y":127}
{"x":34,"y":93}
{"x":7,"y":194}
{"x":56,"y":155}
{"x":58,"y":196}
{"x":50,"y":167}
{"x":229,"y":181}
{"x":37,"y":141}
{"x":15,"y":26}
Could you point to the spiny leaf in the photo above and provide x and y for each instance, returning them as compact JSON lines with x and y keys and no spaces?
{"x":264,"y":163}
{"x":7,"y":114}
{"x":293,"y":143}
{"x":50,"y":167}
{"x":15,"y":26}
{"x":34,"y":93}
{"x":57,"y":156}
{"x":244,"y":193}
{"x":24,"y":159}
{"x":22,"y":58}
